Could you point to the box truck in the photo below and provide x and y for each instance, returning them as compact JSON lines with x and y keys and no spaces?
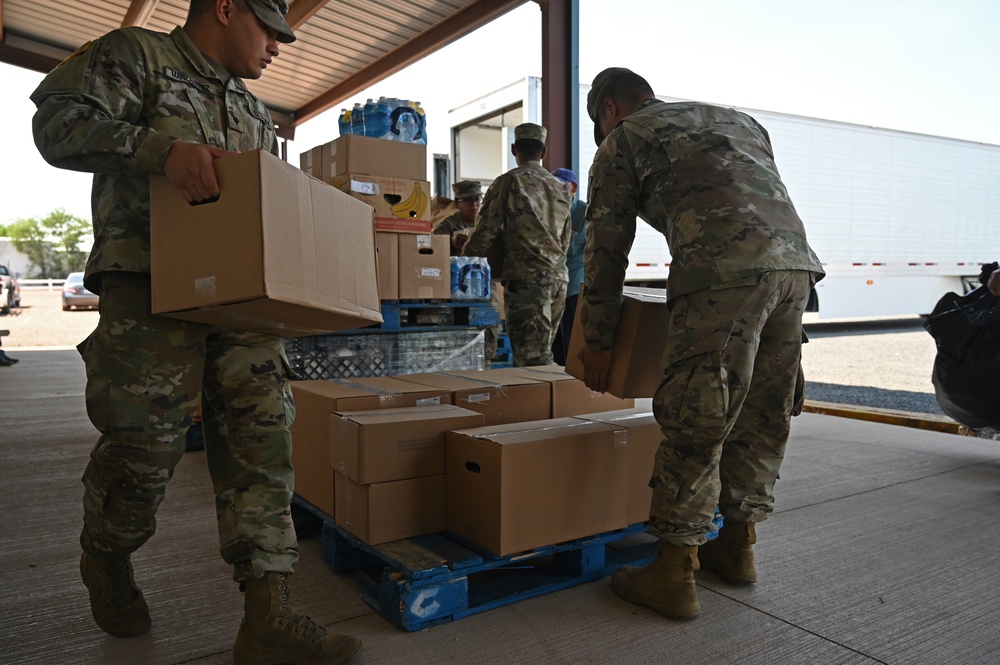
{"x":897,"y":218}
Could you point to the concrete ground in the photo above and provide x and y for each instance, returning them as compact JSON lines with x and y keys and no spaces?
{"x":884,"y":548}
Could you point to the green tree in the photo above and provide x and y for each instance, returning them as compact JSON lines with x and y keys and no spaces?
{"x":52,"y":244}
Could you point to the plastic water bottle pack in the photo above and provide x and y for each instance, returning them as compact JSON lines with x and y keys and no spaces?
{"x":388,"y":118}
{"x":470,"y":278}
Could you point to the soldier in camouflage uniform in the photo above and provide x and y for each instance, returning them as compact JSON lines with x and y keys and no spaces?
{"x":132,"y":103}
{"x":527,"y":212}
{"x":468,"y":199}
{"x":739,"y":280}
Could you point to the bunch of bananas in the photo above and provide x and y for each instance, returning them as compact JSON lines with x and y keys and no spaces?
{"x":413,"y":207}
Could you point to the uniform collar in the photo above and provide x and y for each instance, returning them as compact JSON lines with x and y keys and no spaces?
{"x":202,"y":63}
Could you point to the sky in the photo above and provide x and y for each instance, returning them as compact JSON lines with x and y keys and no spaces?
{"x":915,"y":65}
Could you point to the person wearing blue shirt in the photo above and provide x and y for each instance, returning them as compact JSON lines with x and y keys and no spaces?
{"x":574,"y":264}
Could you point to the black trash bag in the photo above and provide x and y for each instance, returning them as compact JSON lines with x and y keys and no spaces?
{"x":966,"y":372}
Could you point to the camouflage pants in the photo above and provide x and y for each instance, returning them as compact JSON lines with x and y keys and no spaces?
{"x":491,"y":335}
{"x":534,"y":310}
{"x":731,"y":360}
{"x":146,"y":376}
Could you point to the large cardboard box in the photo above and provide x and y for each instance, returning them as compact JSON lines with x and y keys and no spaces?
{"x":516,"y":487}
{"x":570,"y":397}
{"x":644,"y":437}
{"x":387,"y":247}
{"x":500,"y":398}
{"x":269,"y":255}
{"x":394,"y":444}
{"x":384,"y":512}
{"x":638,"y":349}
{"x":401,"y":205}
{"x":316,"y":401}
{"x":424,"y":266}
{"x":363,"y":154}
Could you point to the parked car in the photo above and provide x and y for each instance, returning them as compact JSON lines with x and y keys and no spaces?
{"x":10,"y":290}
{"x":75,"y":294}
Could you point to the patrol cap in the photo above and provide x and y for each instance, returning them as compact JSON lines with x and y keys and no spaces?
{"x":272,"y":14}
{"x":529,"y":131}
{"x":467,"y":189}
{"x":598,"y":91}
{"x":566,"y":175}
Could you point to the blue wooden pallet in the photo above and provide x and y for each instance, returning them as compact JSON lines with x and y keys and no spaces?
{"x":421,"y":582}
{"x":437,"y":314}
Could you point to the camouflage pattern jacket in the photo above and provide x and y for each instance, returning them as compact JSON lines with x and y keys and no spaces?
{"x":116,"y":107}
{"x":705,"y":177}
{"x":452,"y":223}
{"x":527,"y":210}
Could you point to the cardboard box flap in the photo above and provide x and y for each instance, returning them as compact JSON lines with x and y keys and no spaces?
{"x":404,"y":414}
{"x":623,"y":416}
{"x":555,"y":428}
{"x":494,"y":378}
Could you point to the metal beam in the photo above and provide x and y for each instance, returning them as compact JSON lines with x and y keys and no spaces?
{"x":561,"y":82}
{"x":303,"y":10}
{"x":459,"y":24}
{"x":139,"y":12}
{"x":33,"y":55}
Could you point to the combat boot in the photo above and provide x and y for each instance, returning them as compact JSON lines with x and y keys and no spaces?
{"x":666,"y":585}
{"x":272,"y":634}
{"x":730,"y":556}
{"x":115,"y":601}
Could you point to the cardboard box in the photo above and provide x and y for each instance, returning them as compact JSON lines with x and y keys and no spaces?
{"x":644,"y":437}
{"x":316,"y":401}
{"x":387,"y":248}
{"x":306,"y":162}
{"x":401,"y":205}
{"x":424,"y":266}
{"x":570,"y":397}
{"x":500,"y":398}
{"x":638,"y":349}
{"x":394,"y":444}
{"x":269,"y":255}
{"x":517,"y":487}
{"x":384,"y":512}
{"x":363,"y":154}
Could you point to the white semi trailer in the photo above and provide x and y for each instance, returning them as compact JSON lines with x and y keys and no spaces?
{"x":897,"y":218}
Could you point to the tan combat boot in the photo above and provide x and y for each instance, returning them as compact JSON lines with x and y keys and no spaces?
{"x":666,"y":585}
{"x":730,"y":556}
{"x":272,"y":634}
{"x":115,"y":601}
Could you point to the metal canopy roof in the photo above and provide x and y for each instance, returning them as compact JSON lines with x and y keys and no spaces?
{"x":343,"y":46}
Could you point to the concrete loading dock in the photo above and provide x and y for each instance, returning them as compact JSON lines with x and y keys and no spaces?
{"x":883,"y":549}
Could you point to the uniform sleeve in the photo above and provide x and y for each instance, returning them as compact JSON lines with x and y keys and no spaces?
{"x":492,"y":216}
{"x":89,"y":113}
{"x":611,"y":215}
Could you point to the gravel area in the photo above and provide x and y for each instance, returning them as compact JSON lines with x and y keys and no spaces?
{"x":40,"y":322}
{"x":885,"y":364}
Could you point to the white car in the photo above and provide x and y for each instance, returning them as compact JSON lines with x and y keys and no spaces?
{"x":10,"y":290}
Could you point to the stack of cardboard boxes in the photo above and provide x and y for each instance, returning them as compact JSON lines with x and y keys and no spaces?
{"x":507,"y":459}
{"x":390,"y":176}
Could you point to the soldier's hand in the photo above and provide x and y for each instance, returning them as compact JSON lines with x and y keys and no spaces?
{"x":191,"y":168}
{"x":994,"y":284}
{"x":596,"y":367}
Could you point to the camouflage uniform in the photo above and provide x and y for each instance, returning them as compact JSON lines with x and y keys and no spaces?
{"x":740,"y":276}
{"x":115,"y":108}
{"x":452,"y":223}
{"x":527,"y":210}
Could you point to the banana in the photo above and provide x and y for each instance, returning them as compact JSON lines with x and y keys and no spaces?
{"x":414,"y":206}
